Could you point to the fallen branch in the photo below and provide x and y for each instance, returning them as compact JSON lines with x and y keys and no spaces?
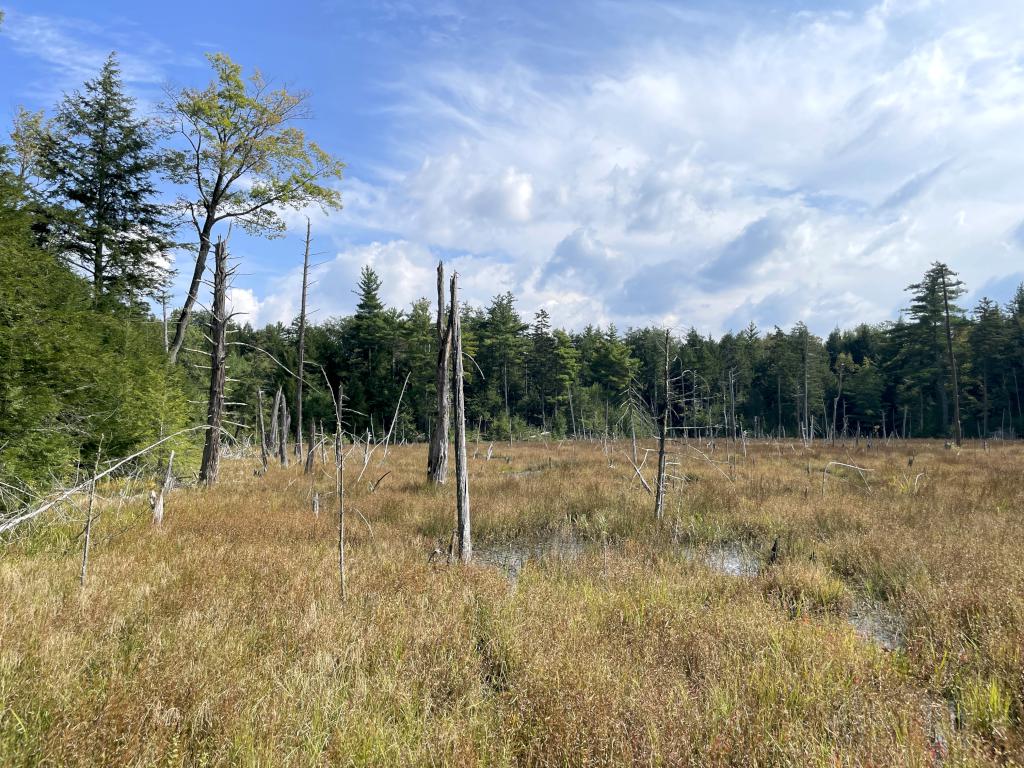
{"x":860,"y":470}
{"x":8,"y":525}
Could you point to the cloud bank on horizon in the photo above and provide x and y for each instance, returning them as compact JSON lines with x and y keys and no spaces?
{"x":693,"y":164}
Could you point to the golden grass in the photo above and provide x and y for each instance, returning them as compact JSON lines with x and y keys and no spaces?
{"x":221,"y":639}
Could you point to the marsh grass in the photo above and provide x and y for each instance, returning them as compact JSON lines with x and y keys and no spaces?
{"x":220,"y":639}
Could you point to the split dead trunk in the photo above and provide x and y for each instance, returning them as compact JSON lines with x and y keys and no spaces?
{"x":218,"y":371}
{"x":437,"y":459}
{"x":465,"y":543}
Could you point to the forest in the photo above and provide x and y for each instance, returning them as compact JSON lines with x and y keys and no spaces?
{"x":228,"y":545}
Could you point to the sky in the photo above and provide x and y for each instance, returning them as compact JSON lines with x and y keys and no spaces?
{"x":690,"y":164}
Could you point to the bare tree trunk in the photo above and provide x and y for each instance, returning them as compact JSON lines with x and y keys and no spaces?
{"x":659,"y":499}
{"x":218,"y":371}
{"x":262,"y":428}
{"x":835,"y":403}
{"x":302,"y":347}
{"x":957,"y":434}
{"x":158,"y":505}
{"x":282,"y":445}
{"x":275,"y":422}
{"x":459,"y":399}
{"x":632,"y":433}
{"x":339,"y":486}
{"x":88,"y":518}
{"x":437,"y":460}
{"x":807,"y":404}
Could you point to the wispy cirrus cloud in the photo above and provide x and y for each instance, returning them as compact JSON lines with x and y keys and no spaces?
{"x":73,"y":50}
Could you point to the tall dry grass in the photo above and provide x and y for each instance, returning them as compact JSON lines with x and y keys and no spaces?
{"x":220,"y":639}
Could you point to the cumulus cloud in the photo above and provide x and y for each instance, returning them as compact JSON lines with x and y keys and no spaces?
{"x":803,"y":170}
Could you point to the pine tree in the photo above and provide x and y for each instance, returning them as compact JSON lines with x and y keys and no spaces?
{"x":988,"y":343}
{"x":542,"y":363}
{"x":934,"y":312}
{"x":100,"y":161}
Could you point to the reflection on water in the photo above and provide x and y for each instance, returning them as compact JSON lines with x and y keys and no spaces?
{"x":511,"y":557}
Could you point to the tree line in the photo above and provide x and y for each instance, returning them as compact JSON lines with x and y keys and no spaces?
{"x":525,"y":378}
{"x":86,"y":237}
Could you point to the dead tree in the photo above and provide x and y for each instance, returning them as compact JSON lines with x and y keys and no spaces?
{"x":957,"y":428}
{"x":282,"y":444}
{"x":302,"y":347}
{"x":437,"y":460}
{"x":339,"y":486}
{"x":659,"y":498}
{"x":263,"y":430}
{"x":839,"y":395}
{"x":218,"y":366}
{"x":88,"y":517}
{"x":275,"y":422}
{"x":158,"y":501}
{"x":459,"y":401}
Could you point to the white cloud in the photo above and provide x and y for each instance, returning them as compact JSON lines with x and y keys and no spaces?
{"x":243,"y":305}
{"x":74,"y":50}
{"x":808,"y":168}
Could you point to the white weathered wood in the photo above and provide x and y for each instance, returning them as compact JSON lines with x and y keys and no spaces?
{"x":465,"y":542}
{"x":437,"y":459}
{"x":659,"y":498}
{"x":158,"y":501}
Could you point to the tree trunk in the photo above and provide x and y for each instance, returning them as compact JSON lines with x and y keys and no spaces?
{"x":275,"y":422}
{"x":437,"y":460}
{"x":262,"y":428}
{"x":659,"y":499}
{"x":158,"y":505}
{"x":459,"y":400}
{"x":218,"y":371}
{"x":339,"y":486}
{"x":286,"y":426}
{"x":302,"y":347}
{"x":952,"y":364}
{"x":88,"y":520}
{"x":193,"y":290}
{"x":835,"y":404}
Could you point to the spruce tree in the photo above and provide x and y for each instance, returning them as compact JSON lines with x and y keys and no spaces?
{"x":99,"y":159}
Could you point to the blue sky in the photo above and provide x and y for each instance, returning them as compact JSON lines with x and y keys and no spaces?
{"x":641,"y":161}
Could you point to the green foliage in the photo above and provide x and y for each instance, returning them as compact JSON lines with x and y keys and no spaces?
{"x":73,"y":374}
{"x":243,"y":158}
{"x":99,"y":161}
